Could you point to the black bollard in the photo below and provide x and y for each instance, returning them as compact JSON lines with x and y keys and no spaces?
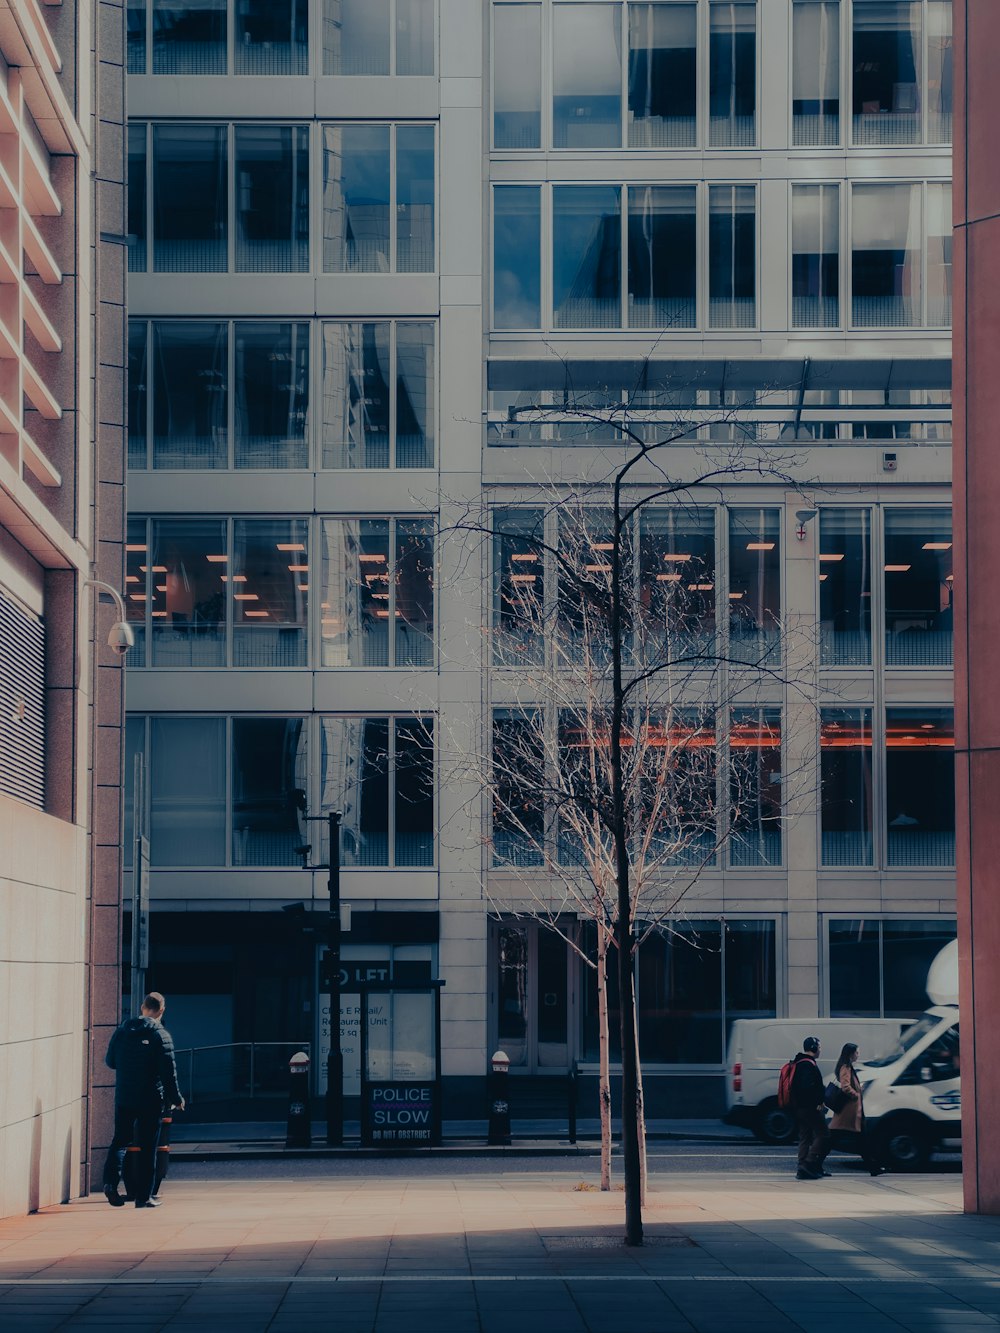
{"x":499,"y":1130}
{"x":299,"y":1131}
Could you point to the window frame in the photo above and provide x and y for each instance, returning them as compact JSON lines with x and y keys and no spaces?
{"x":923,"y":140}
{"x":828,"y":918}
{"x":847,"y":243}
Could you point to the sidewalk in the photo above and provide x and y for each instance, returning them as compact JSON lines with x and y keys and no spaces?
{"x":497,"y":1252}
{"x":261,"y":1140}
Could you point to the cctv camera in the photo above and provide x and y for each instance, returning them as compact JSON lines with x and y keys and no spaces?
{"x":120,"y":638}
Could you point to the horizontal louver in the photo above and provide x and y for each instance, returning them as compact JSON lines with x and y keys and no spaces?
{"x":22,"y":703}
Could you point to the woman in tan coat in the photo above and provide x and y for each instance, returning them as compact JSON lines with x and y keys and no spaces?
{"x":849,"y":1122}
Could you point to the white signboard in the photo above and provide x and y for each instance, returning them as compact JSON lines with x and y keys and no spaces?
{"x":350,"y":1038}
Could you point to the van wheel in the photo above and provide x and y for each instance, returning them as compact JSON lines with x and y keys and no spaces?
{"x":904,"y":1144}
{"x":773,"y":1124}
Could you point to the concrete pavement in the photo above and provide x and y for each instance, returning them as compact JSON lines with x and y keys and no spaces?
{"x":526,"y":1251}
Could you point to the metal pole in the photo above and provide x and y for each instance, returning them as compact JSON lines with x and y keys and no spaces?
{"x":335,"y":1060}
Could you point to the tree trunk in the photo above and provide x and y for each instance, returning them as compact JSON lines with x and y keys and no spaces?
{"x":640,"y":1118}
{"x":604,"y":1039}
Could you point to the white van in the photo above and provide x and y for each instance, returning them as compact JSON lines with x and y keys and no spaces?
{"x":758,"y":1047}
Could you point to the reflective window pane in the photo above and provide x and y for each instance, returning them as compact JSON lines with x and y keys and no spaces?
{"x":136,"y":201}
{"x":662,"y":75}
{"x":586,"y":76}
{"x":190,"y":413}
{"x":816,"y":73}
{"x":517,"y":258}
{"x":190,"y":199}
{"x":272,"y":198}
{"x":845,"y":587}
{"x":414,"y":37}
{"x":732,"y":257}
{"x":135,"y":749}
{"x":920,"y":786}
{"x":137,"y":585}
{"x":750,"y":970}
{"x":512,"y":992}
{"x":886,"y":80}
{"x":940,"y":71}
{"x":188,"y":592}
{"x":187,"y":785}
{"x":135,"y":21}
{"x":754,"y":585}
{"x":413,"y":601}
{"x":815,"y":256}
{"x":755,"y":787}
{"x":662,"y":247}
{"x":732,"y":73}
{"x":415,"y":395}
{"x":138,"y":397}
{"x":414,"y":792}
{"x":551,"y":995}
{"x":268,"y":583}
{"x":676,"y":582}
{"x":586,"y":256}
{"x":270,"y":776}
{"x":908,"y":949}
{"x":676,"y":821}
{"x":885,"y":259}
{"x":355,"y":780}
{"x":356,"y":199}
{"x":415,"y":198}
{"x":680,"y":994}
{"x":272,"y":37}
{"x":356,"y":395}
{"x":846,"y":786}
{"x":518,"y":778}
{"x":517,"y":76}
{"x":855,"y":972}
{"x":939,"y":246}
{"x":189,"y":36}
{"x":918,"y":587}
{"x":356,"y":37}
{"x":271,"y":395}
{"x":518,"y":587}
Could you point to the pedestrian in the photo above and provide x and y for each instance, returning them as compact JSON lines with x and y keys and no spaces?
{"x":141,"y":1052}
{"x":849,"y":1122}
{"x":810,"y":1113}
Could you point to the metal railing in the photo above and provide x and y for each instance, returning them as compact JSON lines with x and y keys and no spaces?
{"x":242,"y":1069}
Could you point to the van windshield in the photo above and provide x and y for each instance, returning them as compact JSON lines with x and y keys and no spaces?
{"x":913,"y":1035}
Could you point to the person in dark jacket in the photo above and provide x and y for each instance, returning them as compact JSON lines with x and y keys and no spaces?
{"x":807,"y":1102}
{"x":141,"y":1052}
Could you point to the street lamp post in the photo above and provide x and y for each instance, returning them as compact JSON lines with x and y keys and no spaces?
{"x":335,"y":1060}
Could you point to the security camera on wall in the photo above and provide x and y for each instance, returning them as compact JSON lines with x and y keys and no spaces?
{"x":120,"y":638}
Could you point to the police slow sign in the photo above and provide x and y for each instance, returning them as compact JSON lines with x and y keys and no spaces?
{"x":400,"y":1114}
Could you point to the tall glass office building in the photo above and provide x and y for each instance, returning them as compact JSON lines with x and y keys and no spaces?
{"x":374,"y":246}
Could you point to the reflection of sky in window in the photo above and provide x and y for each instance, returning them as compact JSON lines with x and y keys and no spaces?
{"x":517,"y":257}
{"x":580,"y":252}
{"x":365,"y":164}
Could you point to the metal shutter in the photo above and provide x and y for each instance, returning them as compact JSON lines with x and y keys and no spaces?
{"x":22,"y":703}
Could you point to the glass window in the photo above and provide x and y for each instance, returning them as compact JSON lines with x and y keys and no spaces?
{"x":732,"y":73}
{"x":754,"y":585}
{"x":886,"y":90}
{"x":920,"y":786}
{"x":517,"y":76}
{"x":755,"y":787}
{"x":365,"y":423}
{"x":270,"y":776}
{"x":732,"y":256}
{"x":918,"y":587}
{"x":189,"y":36}
{"x":878,"y":969}
{"x":586,"y":76}
{"x":187,"y":785}
{"x":272,"y":198}
{"x":380,"y":773}
{"x":517,"y":257}
{"x":518,"y":783}
{"x":662,"y":75}
{"x":662,"y":249}
{"x":135,"y":28}
{"x":363,"y":36}
{"x":855,"y":969}
{"x":940,"y":71}
{"x":414,"y":31}
{"x":272,"y":37}
{"x":816,"y":73}
{"x":845,"y":587}
{"x":378,"y":573}
{"x":136,"y":201}
{"x":676,"y":582}
{"x":135,"y":748}
{"x":908,"y":949}
{"x":189,"y":199}
{"x":190,"y":412}
{"x":815,"y":255}
{"x":137,"y":581}
{"x":680,"y":994}
{"x":512,"y":992}
{"x":187,"y":593}
{"x":846,"y":786}
{"x":885,"y":258}
{"x":586,"y":256}
{"x":939,"y":240}
{"x":271,"y":395}
{"x":750,"y":970}
{"x":582,"y":632}
{"x":676,"y":823}
{"x":415,"y":198}
{"x":518,"y":587}
{"x":551,"y":999}
{"x":356,"y":199}
{"x":268,"y":583}
{"x":138,"y":397}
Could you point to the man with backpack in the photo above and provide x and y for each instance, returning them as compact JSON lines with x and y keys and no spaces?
{"x":141,"y":1052}
{"x":801,"y":1084}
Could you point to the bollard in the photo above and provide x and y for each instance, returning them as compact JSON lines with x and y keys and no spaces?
{"x":299,"y":1131}
{"x":499,"y":1130}
{"x":572,"y":1097}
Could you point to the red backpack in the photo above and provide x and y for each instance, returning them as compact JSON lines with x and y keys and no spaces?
{"x":785,"y":1085}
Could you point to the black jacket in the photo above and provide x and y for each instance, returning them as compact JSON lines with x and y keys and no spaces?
{"x":807,"y":1083}
{"x":141,"y":1053}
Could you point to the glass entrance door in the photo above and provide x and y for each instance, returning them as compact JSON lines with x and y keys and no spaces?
{"x":530,"y":996}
